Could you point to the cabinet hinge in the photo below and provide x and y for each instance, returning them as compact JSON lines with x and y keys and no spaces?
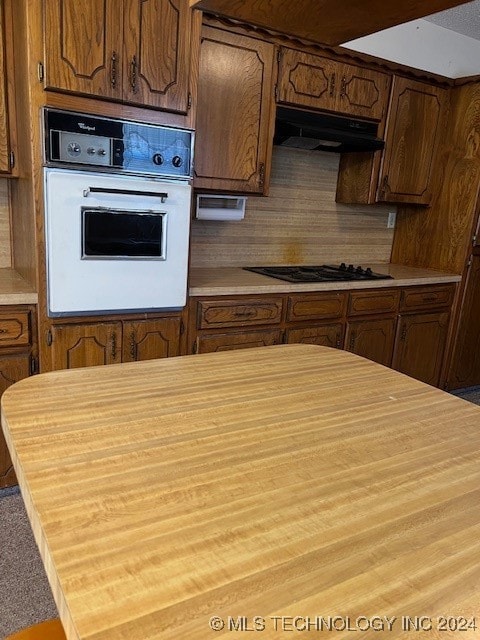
{"x":41,"y":72}
{"x":276,"y":93}
{"x":279,"y":54}
{"x":182,"y":327}
{"x":474,"y":239}
{"x":189,"y":101}
{"x":49,"y":338}
{"x":33,"y":365}
{"x":469,"y":263}
{"x":12,"y":159}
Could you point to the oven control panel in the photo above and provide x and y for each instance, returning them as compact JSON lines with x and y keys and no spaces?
{"x":90,"y":142}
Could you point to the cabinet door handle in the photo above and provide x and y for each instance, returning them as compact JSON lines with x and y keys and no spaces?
{"x":133,"y":74}
{"x":338,"y":342}
{"x":244,"y":314}
{"x":352,"y":340}
{"x":261,"y":175}
{"x":113,"y":69}
{"x":133,"y":346}
{"x":403,"y":335}
{"x":343,"y":87}
{"x":332,"y":85}
{"x":431,"y":298}
{"x":113,"y":344}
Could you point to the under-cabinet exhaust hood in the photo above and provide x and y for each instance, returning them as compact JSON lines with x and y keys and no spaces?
{"x":324,"y":132}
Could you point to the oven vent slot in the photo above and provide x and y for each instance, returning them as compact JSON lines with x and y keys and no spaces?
{"x":213,"y":207}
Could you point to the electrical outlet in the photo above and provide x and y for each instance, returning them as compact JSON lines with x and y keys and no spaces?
{"x":392,"y":216}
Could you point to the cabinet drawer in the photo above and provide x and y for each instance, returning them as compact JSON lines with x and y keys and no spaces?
{"x":212,"y":342}
{"x":235,"y":313}
{"x":317,"y":307}
{"x":14,"y":329}
{"x":326,"y":335}
{"x":427,"y":297}
{"x":366,"y":302}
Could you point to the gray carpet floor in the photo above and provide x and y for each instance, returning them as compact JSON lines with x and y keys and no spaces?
{"x":25,"y":594}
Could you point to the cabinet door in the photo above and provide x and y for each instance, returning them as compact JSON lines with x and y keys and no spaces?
{"x":12,"y":369}
{"x":362,"y":92}
{"x":83,"y":49}
{"x":308,"y":80}
{"x":326,"y":335}
{"x":372,"y":339}
{"x":412,"y":136}
{"x":157,"y":53}
{"x":149,"y":339}
{"x":207,"y":343}
{"x":420,"y":345}
{"x":465,"y":366}
{"x":4,"y":121}
{"x":85,"y":345}
{"x":234,"y":115}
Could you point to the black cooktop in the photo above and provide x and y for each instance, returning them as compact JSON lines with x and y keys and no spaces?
{"x":323,"y":273}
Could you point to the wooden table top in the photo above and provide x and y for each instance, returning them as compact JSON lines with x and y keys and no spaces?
{"x":299,"y":488}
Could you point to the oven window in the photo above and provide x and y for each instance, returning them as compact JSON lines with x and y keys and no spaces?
{"x":113,"y":233}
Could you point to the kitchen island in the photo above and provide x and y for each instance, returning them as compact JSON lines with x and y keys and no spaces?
{"x":172,"y":497}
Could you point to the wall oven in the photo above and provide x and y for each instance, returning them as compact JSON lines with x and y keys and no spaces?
{"x":117,"y":214}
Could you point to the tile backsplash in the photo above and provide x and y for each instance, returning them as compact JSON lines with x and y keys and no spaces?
{"x":298,"y":223}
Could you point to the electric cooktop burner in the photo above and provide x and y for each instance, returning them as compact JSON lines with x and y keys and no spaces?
{"x":323,"y":273}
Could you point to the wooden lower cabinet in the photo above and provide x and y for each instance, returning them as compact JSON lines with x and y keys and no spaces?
{"x":372,"y":338}
{"x":207,"y":343}
{"x":420,"y":345}
{"x":12,"y":369}
{"x":326,"y":335}
{"x":97,"y":343}
{"x":149,"y":339}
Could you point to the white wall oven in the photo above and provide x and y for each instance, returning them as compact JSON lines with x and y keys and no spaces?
{"x":117,"y":214}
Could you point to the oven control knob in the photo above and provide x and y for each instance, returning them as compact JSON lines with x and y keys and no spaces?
{"x":368,"y":271}
{"x":177,"y":161}
{"x":359,"y":270}
{"x":157,"y":159}
{"x":350,"y":268}
{"x":74,"y":148}
{"x":102,"y":152}
{"x":91,"y":151}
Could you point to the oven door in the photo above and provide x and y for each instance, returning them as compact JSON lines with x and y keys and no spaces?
{"x":115,"y":243}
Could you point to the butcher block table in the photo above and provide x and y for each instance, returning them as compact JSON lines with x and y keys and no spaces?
{"x":284,"y":492}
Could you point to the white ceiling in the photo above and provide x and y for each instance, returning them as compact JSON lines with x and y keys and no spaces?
{"x":446,"y":43}
{"x":464,"y":19}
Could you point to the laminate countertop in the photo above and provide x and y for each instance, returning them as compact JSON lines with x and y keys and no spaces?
{"x":236,"y":281}
{"x":15,"y":290}
{"x":269,"y":489}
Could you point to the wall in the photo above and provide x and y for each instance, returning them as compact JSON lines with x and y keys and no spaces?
{"x":298,"y":223}
{"x":5,"y":244}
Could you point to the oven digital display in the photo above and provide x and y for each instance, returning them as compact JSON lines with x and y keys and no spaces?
{"x":123,"y":235}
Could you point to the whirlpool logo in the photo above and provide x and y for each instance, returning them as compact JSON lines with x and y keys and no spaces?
{"x":85,"y":127}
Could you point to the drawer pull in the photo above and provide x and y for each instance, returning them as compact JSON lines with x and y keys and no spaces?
{"x":244,"y":314}
{"x":430,"y":298}
{"x":3,"y":330}
{"x":352,"y":340}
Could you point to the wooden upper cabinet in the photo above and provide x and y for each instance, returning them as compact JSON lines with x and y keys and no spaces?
{"x":83,"y":46}
{"x":412,"y":138}
{"x":7,"y":115}
{"x":315,"y":82}
{"x":307,"y":80}
{"x":137,"y":51}
{"x":157,"y":51}
{"x":234,"y":113}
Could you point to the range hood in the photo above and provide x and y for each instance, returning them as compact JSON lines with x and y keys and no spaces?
{"x":324,"y":132}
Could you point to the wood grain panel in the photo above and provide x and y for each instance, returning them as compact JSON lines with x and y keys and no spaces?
{"x":426,"y":298}
{"x":298,"y":223}
{"x":440,"y":236}
{"x":4,"y":119}
{"x":325,"y":22}
{"x":278,"y":481}
{"x":372,"y":338}
{"x":316,"y":307}
{"x":147,"y":339}
{"x":231,"y":341}
{"x":83,"y":48}
{"x":362,"y":92}
{"x":157,"y":53}
{"x":232,"y":313}
{"x":307,"y":80}
{"x":365,"y":302}
{"x":5,"y":231}
{"x":326,"y":335}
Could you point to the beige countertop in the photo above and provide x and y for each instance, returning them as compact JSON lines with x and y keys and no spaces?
{"x":15,"y":290}
{"x":234,"y":280}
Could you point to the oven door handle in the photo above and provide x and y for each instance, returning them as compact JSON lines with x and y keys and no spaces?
{"x":126,"y":192}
